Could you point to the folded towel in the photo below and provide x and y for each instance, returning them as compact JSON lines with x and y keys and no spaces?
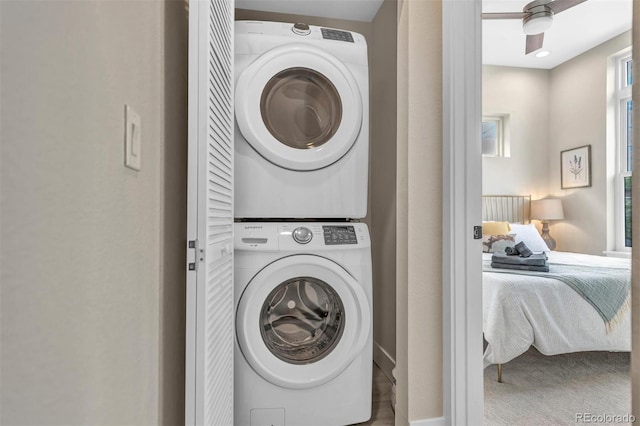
{"x":520,"y":267}
{"x":511,"y":251}
{"x":523,"y":250}
{"x":538,"y":259}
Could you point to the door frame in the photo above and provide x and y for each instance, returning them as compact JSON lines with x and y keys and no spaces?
{"x":462,"y":293}
{"x":462,"y":187}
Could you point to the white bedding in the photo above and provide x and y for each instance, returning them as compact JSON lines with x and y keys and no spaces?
{"x":522,"y":310}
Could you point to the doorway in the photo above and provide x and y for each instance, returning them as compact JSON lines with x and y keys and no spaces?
{"x":539,"y":91}
{"x":461,"y":26}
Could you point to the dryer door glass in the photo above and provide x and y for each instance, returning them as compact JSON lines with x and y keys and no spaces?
{"x":301,"y":108}
{"x":302,"y":320}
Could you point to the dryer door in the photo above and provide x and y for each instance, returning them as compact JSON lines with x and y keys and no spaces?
{"x":299,"y":107}
{"x":301,"y":321}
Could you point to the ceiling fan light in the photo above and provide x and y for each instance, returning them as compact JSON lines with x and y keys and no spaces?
{"x":537,"y":24}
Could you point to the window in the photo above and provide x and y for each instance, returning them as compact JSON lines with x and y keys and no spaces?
{"x":495,"y":135}
{"x":624,"y":139}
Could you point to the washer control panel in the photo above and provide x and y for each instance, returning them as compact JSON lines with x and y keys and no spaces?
{"x":300,"y":237}
{"x":339,"y":234}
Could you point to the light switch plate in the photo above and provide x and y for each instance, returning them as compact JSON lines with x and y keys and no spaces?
{"x":132,"y":139}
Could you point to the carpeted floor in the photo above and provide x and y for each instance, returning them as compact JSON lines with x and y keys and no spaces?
{"x":556,"y":390}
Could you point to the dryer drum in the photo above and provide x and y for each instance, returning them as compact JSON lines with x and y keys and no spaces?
{"x":301,"y":108}
{"x":302,"y":320}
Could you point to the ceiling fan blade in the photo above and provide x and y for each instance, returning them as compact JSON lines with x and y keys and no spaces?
{"x":514,"y":15}
{"x":534,"y":42}
{"x":559,"y":5}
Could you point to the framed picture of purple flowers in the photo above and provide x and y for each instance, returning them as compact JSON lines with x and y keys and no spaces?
{"x":575,"y":167}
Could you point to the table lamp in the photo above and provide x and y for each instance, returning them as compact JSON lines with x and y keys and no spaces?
{"x":546,"y":210}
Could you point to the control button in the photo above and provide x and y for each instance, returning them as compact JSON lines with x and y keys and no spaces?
{"x":331,"y":34}
{"x":301,"y":29}
{"x":302,"y":235}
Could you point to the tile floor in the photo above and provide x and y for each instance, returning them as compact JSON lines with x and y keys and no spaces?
{"x":382,"y":414}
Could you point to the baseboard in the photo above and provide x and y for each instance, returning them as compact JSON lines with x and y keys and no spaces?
{"x":436,"y":421}
{"x":383,"y":360}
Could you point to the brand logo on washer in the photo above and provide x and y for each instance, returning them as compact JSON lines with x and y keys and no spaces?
{"x":253,"y":227}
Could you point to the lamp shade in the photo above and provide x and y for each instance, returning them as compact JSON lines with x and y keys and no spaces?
{"x":547,"y":209}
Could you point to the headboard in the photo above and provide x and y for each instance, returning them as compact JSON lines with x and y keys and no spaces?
{"x":506,"y":208}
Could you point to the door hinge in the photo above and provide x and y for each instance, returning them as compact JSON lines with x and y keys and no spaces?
{"x":477,"y":232}
{"x":195,"y":255}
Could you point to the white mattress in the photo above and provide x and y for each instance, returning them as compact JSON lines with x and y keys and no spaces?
{"x":522,"y":310}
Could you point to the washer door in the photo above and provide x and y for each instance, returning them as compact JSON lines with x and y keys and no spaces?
{"x":299,"y":107}
{"x":301,"y":321}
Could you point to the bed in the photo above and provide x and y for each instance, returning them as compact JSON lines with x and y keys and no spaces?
{"x":521,"y":310}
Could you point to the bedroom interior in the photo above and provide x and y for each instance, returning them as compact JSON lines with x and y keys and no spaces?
{"x":548,"y":111}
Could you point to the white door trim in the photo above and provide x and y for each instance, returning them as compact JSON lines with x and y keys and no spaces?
{"x":462,"y":171}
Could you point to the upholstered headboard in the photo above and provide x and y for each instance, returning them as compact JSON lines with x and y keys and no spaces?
{"x":506,"y":208}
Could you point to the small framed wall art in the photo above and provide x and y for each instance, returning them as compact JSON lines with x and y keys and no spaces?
{"x":575,"y":167}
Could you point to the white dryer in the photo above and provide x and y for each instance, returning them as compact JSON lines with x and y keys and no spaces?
{"x":303,"y":353}
{"x":302,"y":115}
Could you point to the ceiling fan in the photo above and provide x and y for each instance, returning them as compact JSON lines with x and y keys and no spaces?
{"x":537,"y":17}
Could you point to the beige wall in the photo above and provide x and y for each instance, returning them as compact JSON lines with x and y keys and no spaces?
{"x":382,"y":185}
{"x":84,"y":284}
{"x":173,"y":220}
{"x":419,"y":212}
{"x":578,"y":105}
{"x":522,"y":93}
{"x":551,"y":111}
{"x":402,"y":222}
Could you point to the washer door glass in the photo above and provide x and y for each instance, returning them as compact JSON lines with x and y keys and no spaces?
{"x":302,"y":320}
{"x":301,"y":108}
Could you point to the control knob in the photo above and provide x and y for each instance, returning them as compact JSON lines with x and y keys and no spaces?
{"x":301,"y":29}
{"x":302,"y":235}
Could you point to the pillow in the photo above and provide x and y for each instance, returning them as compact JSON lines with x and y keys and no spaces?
{"x":529,"y":235}
{"x":495,"y":228}
{"x":497,"y":243}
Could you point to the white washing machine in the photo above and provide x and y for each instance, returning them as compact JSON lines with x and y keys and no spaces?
{"x":302,"y":115}
{"x":303,"y":353}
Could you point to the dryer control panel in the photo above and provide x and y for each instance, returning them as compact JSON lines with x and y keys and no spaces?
{"x":336,"y":235}
{"x":339,"y":35}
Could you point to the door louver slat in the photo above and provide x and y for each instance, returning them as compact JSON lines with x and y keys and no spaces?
{"x":210,"y":391}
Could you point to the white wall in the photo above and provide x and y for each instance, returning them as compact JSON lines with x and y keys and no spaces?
{"x":83,"y":237}
{"x":578,"y":107}
{"x":523,"y":94}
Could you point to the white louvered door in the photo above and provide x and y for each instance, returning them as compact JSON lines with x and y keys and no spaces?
{"x":210,"y":306}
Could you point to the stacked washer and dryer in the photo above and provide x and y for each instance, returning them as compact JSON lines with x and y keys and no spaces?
{"x":303,"y":285}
